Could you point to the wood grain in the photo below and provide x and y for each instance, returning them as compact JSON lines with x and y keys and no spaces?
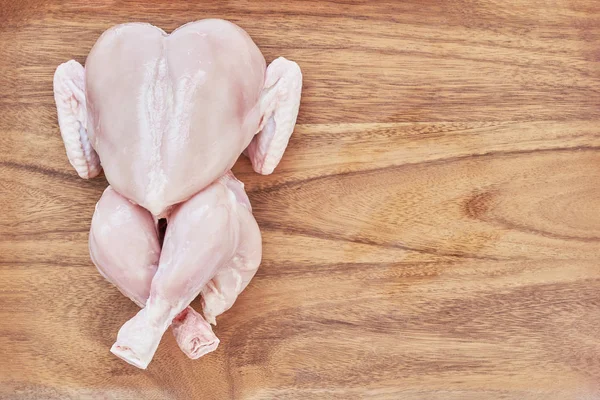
{"x":432,"y":232}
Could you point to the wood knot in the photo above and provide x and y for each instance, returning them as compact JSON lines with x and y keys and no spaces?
{"x":479,"y":204}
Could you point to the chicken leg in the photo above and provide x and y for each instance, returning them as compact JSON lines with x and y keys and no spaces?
{"x":124,"y":247}
{"x":204,"y":234}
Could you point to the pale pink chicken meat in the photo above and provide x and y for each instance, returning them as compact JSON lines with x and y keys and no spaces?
{"x":169,"y":114}
{"x":231,"y":279}
{"x":124,"y":246}
{"x":166,"y":117}
{"x":226,"y":239}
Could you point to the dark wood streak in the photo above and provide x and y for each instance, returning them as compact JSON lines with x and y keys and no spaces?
{"x":441,"y":161}
{"x":527,"y":229}
{"x":286,"y":268}
{"x":358,"y":240}
{"x":428,"y":55}
{"x":49,"y":263}
{"x":36,"y":169}
{"x":42,"y":233}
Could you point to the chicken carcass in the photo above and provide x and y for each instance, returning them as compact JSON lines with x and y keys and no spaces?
{"x":166,"y":117}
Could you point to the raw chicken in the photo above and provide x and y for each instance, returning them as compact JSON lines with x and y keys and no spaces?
{"x":125,"y":248}
{"x":167,"y":116}
{"x":227,"y":242}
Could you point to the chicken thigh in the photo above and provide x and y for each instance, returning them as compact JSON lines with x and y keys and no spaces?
{"x":233,"y":277}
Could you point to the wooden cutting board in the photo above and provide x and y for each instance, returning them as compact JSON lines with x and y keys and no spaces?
{"x":433,"y":231}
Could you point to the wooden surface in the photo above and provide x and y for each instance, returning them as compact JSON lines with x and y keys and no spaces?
{"x":433,"y":231}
